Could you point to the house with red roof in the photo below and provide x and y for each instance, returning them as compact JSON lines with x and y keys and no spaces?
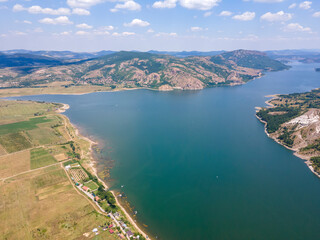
{"x":85,"y":188}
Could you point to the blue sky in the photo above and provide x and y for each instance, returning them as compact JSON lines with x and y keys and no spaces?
{"x":173,"y":25}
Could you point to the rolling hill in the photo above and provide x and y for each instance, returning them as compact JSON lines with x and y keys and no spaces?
{"x":142,"y":70}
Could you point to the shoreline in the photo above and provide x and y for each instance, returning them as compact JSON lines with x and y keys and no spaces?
{"x":306,"y":159}
{"x":92,"y":163}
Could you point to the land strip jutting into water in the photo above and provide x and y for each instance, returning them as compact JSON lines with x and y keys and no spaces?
{"x":49,"y":188}
{"x":293,"y":121}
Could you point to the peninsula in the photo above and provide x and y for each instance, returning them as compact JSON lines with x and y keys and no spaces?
{"x":293,"y":121}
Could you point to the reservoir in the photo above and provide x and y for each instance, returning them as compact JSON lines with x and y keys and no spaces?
{"x":198,"y":164}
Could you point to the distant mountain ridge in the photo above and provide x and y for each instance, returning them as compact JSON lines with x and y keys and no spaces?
{"x":139,"y":70}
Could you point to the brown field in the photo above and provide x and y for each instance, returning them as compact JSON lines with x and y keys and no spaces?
{"x":27,"y":210}
{"x":60,"y":157}
{"x":2,"y":151}
{"x":14,"y":163}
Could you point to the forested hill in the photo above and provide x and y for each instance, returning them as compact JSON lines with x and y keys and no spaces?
{"x":139,"y":69}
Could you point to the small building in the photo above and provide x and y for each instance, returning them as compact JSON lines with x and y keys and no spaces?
{"x":96,"y":198}
{"x":121,"y":236}
{"x":111,"y":231}
{"x":129,"y":233}
{"x":77,"y":184}
{"x":95,"y":230}
{"x":110,"y":226}
{"x":85,"y":188}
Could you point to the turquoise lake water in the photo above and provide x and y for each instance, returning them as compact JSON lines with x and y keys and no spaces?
{"x":198,"y":165}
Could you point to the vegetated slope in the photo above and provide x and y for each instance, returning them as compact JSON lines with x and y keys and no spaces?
{"x":294,"y":121}
{"x":163,"y":72}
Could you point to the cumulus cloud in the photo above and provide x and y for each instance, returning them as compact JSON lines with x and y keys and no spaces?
{"x":305,"y":5}
{"x":62,"y":20}
{"x":124,"y":34}
{"x":246,"y":16}
{"x":137,"y":23}
{"x":190,"y":4}
{"x":39,"y":10}
{"x":275,"y":17}
{"x":165,"y":4}
{"x":225,"y":13}
{"x":316,"y":14}
{"x":199,"y":4}
{"x":83,"y":3}
{"x":3,"y":0}
{"x":84,"y":26}
{"x":128,"y":5}
{"x":107,"y":28}
{"x":296,"y":27}
{"x":293,"y":5}
{"x":80,"y":11}
{"x":82,"y":33}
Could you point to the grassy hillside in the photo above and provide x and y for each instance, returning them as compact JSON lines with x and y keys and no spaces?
{"x":147,"y":70}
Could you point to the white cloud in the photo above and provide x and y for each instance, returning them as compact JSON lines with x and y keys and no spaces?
{"x":62,"y":20}
{"x":275,"y":17}
{"x":82,"y":33}
{"x":293,"y":5}
{"x":196,"y":29}
{"x":3,"y":0}
{"x":246,"y":16}
{"x":39,"y":10}
{"x":80,"y":11}
{"x":128,"y":5}
{"x":305,"y":5}
{"x":190,"y":4}
{"x":150,"y":31}
{"x":84,"y":26}
{"x":225,"y":13}
{"x":18,"y":8}
{"x":107,"y":28}
{"x":27,"y":22}
{"x":137,"y":22}
{"x":83,"y":3}
{"x":207,"y":14}
{"x":165,"y":4}
{"x":316,"y":14}
{"x":65,"y":33}
{"x":199,"y":4}
{"x":296,"y":27}
{"x":124,"y":34}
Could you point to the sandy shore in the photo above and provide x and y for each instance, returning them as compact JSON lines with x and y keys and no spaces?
{"x":295,"y":151}
{"x":94,"y":169}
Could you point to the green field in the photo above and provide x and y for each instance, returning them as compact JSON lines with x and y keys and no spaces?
{"x":23,"y":125}
{"x":92,"y":185}
{"x":14,"y":142}
{"x":40,"y":158}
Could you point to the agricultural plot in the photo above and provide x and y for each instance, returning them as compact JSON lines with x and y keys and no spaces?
{"x":14,"y":142}
{"x":43,"y":136}
{"x":40,"y":158}
{"x":15,"y":111}
{"x":92,"y":185}
{"x":43,"y":205}
{"x":22,"y":126}
{"x":14,"y":163}
{"x":78,"y":174}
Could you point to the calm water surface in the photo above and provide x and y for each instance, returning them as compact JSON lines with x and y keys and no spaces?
{"x":198,"y":165}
